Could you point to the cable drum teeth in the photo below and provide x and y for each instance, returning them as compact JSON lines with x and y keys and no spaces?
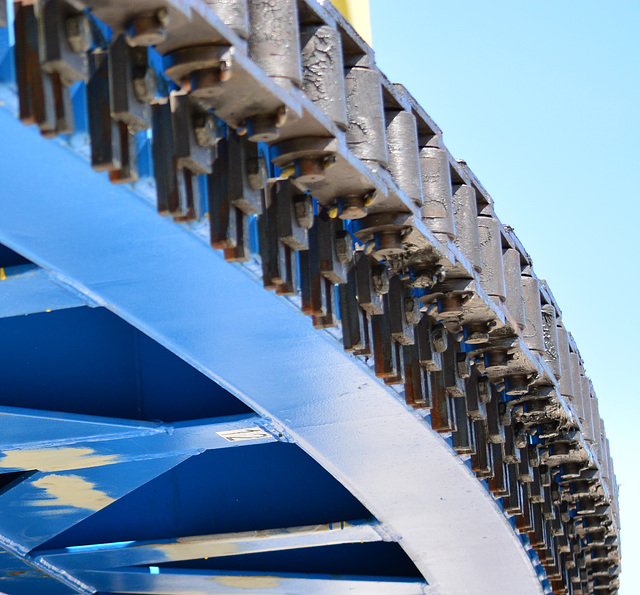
{"x":271,"y":123}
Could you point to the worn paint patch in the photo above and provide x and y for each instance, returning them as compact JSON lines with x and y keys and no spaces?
{"x":70,"y":490}
{"x":186,"y":550}
{"x":54,"y":459}
{"x":248,"y":582}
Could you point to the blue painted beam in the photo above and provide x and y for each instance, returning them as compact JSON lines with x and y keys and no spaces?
{"x":147,"y":442}
{"x":32,"y":428}
{"x":137,"y":553}
{"x":167,"y":581}
{"x":43,"y":505}
{"x":27,"y":289}
{"x":166,"y":281}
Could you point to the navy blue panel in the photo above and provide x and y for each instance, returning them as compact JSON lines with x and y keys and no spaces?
{"x":89,"y":361}
{"x":371,"y":559}
{"x":17,"y":578}
{"x":241,"y":489}
{"x":9,"y":258}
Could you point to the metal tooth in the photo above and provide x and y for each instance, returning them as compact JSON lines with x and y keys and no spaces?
{"x":513,"y":502}
{"x":248,"y":175}
{"x":353,"y":335}
{"x":498,"y":483}
{"x":31,"y":100}
{"x":462,"y":438}
{"x":274,"y":39}
{"x":289,"y":271}
{"x":365,"y":115}
{"x":574,"y":359}
{"x":370,"y":296}
{"x":481,"y":463}
{"x":442,"y":413}
{"x":428,"y":357}
{"x":322,"y":72}
{"x":591,"y":425}
{"x":454,"y":384}
{"x":128,"y":68}
{"x":550,"y":332}
{"x":402,"y":149}
{"x":385,"y":350}
{"x":465,"y":215}
{"x":65,"y":37}
{"x":492,"y":274}
{"x":268,"y":237}
{"x":399,"y":316}
{"x":218,"y":182}
{"x":334,"y":247}
{"x":104,"y":131}
{"x":232,"y":13}
{"x":416,"y":386}
{"x":510,"y":453}
{"x":176,"y":187}
{"x":513,"y":285}
{"x":533,"y":334}
{"x":437,"y":212}
{"x":329,"y":318}
{"x":293,"y":220}
{"x":495,"y":431}
{"x":525,"y":473}
{"x":476,"y":409}
{"x":128,"y":171}
{"x":565,"y":381}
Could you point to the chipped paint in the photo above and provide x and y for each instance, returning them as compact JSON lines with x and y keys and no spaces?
{"x":247,"y":582}
{"x":195,"y":550}
{"x":54,"y":459}
{"x":70,"y":490}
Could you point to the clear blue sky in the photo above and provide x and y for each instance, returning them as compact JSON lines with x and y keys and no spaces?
{"x":541,"y":98}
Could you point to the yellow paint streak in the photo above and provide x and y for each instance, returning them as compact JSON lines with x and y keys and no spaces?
{"x":194,"y":551}
{"x":3,"y":275}
{"x":357,"y":13}
{"x":247,"y":582}
{"x":70,"y":490}
{"x":54,"y":459}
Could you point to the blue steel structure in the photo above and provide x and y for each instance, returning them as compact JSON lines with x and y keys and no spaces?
{"x":167,"y":426}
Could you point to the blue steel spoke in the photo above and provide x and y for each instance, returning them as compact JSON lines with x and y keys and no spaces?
{"x":27,"y":289}
{"x":150,"y":442}
{"x":135,"y":553}
{"x":173,"y":581}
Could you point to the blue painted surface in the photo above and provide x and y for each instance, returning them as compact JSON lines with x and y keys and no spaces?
{"x":164,"y":280}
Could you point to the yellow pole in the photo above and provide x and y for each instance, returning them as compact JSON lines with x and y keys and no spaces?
{"x":357,"y":13}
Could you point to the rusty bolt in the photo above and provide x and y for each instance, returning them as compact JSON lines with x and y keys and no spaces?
{"x":388,"y":243}
{"x":309,"y":171}
{"x":352,"y":207}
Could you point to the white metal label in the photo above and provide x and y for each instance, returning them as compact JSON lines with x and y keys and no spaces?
{"x":244,"y":434}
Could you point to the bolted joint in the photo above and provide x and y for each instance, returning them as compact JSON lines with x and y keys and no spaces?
{"x":388,"y":243}
{"x":380,"y":279}
{"x":78,"y":31}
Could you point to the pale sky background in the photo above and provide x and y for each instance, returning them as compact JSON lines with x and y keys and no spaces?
{"x":541,"y":98}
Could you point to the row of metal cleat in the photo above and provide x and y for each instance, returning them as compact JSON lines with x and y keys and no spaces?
{"x":257,"y":107}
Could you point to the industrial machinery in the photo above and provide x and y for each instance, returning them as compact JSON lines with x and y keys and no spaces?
{"x":262,"y":333}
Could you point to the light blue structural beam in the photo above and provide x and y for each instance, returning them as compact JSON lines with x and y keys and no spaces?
{"x":169,"y":581}
{"x":136,"y":553}
{"x":27,"y":289}
{"x":166,"y":281}
{"x":145,"y":443}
